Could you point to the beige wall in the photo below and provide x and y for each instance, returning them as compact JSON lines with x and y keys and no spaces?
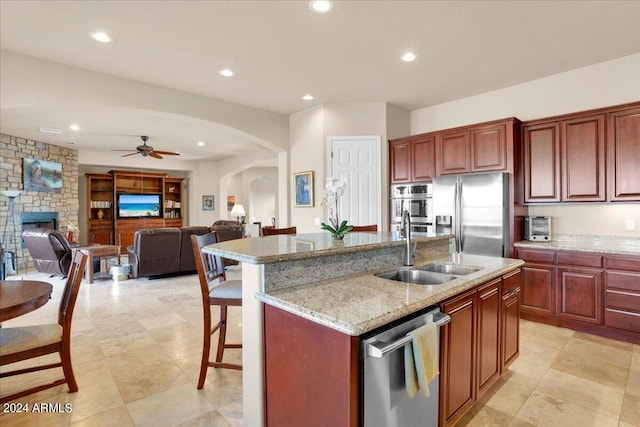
{"x":309,"y":130}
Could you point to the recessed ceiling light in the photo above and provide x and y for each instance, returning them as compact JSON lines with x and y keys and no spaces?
{"x":201,"y":143}
{"x":226,"y":72}
{"x":409,"y":57}
{"x":307,"y":97}
{"x":51,"y":130}
{"x":101,"y":37}
{"x":321,"y":6}
{"x":74,"y":127}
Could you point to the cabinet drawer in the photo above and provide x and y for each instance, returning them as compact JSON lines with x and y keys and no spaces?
{"x":623,"y":281}
{"x":548,"y":257}
{"x":620,"y":300}
{"x":623,"y":263}
{"x":586,"y":260}
{"x":511,"y":281}
{"x":622,"y":320}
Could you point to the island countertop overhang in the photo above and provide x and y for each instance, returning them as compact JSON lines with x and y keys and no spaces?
{"x":281,"y":248}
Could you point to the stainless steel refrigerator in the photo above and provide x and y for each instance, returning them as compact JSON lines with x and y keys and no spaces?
{"x":474,"y":207}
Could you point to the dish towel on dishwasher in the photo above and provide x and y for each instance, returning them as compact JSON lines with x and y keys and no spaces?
{"x":421,"y":359}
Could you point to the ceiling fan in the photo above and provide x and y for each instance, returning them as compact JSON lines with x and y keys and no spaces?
{"x":147,"y":150}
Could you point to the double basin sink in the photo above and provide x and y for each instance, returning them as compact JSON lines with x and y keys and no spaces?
{"x":435,"y":273}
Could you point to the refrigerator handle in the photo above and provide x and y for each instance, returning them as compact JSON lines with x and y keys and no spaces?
{"x":460,"y":219}
{"x":456,"y":213}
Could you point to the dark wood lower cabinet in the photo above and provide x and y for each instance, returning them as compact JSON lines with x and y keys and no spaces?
{"x":458,"y":354}
{"x":510,"y":319}
{"x":478,"y":344}
{"x":580,"y":294}
{"x":594,"y":293}
{"x":538,"y":290}
{"x":489,"y":301}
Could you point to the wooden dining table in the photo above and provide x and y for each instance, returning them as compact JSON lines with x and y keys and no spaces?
{"x":18,"y":297}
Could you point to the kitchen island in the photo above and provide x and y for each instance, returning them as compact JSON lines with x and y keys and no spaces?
{"x":332,"y":284}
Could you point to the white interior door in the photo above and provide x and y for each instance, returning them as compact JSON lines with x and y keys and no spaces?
{"x":357,"y":158}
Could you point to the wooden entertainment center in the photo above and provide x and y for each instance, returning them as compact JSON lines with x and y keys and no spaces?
{"x":108,"y":227}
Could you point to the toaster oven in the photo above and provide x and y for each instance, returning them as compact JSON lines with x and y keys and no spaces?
{"x":537,"y":228}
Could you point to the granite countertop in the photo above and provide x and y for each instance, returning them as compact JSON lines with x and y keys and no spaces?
{"x":361,"y":302}
{"x":279,"y":248}
{"x":588,"y":243}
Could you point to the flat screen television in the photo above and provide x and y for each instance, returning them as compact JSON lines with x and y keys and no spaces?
{"x":139,"y":206}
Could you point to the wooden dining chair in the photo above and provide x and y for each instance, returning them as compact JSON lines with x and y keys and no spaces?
{"x":358,"y":228}
{"x":273,"y":231}
{"x":27,"y":342}
{"x":216,"y":290}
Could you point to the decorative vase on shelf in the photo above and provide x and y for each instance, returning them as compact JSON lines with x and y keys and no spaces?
{"x":100,"y":214}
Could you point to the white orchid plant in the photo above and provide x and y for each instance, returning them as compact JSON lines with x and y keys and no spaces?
{"x":333,"y":190}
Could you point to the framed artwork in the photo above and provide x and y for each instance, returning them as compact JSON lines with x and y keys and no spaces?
{"x":303,"y":185}
{"x":231,"y":200}
{"x":208,"y":203}
{"x":42,"y":175}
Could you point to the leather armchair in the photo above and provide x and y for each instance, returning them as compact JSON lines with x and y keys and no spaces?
{"x":49,"y":249}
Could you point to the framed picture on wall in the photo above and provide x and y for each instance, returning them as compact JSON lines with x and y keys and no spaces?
{"x":208,"y":203}
{"x":231,"y":200}
{"x":42,"y":175}
{"x":303,"y":186}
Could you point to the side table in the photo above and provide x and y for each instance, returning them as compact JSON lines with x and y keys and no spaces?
{"x":95,"y":253}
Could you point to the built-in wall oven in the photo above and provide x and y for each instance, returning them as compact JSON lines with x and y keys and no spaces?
{"x":417,"y":199}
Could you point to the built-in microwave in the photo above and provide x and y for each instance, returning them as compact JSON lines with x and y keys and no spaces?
{"x":537,"y":228}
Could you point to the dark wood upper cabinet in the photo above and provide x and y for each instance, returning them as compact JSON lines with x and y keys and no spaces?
{"x":583,"y":159}
{"x":400,"y":160}
{"x":590,"y":156}
{"x":453,"y":152}
{"x":489,"y":148}
{"x":412,"y":159}
{"x":542,"y":162}
{"x":424,"y":152}
{"x":624,"y":154}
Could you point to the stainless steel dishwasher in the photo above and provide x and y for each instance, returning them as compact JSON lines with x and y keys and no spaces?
{"x":383,"y":395}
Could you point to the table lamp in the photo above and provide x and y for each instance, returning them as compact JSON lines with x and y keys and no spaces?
{"x":238,"y":211}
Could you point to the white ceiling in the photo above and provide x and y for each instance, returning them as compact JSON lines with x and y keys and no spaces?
{"x":280,"y":51}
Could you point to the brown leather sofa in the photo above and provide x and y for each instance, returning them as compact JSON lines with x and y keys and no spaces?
{"x":166,"y":251}
{"x":49,"y":249}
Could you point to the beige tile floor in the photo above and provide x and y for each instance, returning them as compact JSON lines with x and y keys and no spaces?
{"x":137,"y":346}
